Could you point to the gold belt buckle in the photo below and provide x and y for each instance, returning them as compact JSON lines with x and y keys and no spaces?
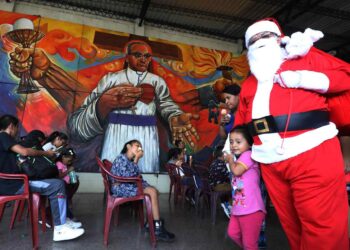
{"x":262,"y":121}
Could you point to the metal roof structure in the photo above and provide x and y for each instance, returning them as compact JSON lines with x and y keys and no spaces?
{"x":228,"y":19}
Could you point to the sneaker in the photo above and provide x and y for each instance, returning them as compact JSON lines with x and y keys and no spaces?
{"x":73,"y":224}
{"x":65,"y":232}
{"x":47,"y":224}
{"x":226,"y":209}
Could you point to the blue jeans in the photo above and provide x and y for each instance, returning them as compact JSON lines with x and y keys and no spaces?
{"x":55,"y":190}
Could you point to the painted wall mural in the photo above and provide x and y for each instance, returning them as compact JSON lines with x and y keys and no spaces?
{"x":104,"y":88}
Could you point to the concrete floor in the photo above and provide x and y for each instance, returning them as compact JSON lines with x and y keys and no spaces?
{"x":192,"y":231}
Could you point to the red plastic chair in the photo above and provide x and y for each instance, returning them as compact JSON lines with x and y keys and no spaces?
{"x":207,"y":193}
{"x":113,"y":202}
{"x":169,"y":168}
{"x":175,"y":181}
{"x":32,"y":199}
{"x":108,"y":164}
{"x":19,"y":208}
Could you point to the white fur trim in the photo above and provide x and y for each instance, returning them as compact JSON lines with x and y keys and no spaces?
{"x":226,"y":148}
{"x":261,"y":102}
{"x":259,"y":27}
{"x":268,"y":151}
{"x":312,"y":80}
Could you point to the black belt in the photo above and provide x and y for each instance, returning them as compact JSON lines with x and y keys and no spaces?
{"x":298,"y":121}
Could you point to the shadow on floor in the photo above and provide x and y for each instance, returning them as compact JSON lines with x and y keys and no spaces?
{"x":192,"y":231}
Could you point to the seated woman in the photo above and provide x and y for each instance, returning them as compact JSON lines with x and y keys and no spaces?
{"x":125,"y":165}
{"x":56,"y":142}
{"x":177,"y":157}
{"x":186,"y":157}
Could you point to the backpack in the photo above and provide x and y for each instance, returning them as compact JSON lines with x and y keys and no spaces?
{"x":37,"y":167}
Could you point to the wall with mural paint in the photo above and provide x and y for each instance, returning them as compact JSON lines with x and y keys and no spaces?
{"x":67,"y":60}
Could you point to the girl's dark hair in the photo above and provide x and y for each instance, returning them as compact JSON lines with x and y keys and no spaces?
{"x":244,"y":131}
{"x":66,"y":152}
{"x":7,"y":120}
{"x":174,"y":153}
{"x":33,"y":139}
{"x":125,"y":148}
{"x":218,"y":152}
{"x":55,"y":134}
{"x":177,"y":142}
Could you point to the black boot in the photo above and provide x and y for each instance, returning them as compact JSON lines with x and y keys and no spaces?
{"x":146,"y":225}
{"x":161,"y":233}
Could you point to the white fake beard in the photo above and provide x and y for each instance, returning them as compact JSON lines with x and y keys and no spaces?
{"x":265,"y":57}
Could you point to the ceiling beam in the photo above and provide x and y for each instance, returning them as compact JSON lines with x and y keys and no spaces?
{"x":192,"y":29}
{"x":287,"y":7}
{"x":321,"y":10}
{"x":324,"y":11}
{"x":200,"y":14}
{"x":308,"y":8}
{"x":143,"y":11}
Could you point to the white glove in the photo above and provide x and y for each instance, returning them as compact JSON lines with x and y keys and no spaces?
{"x":288,"y":79}
{"x":305,"y":79}
{"x":299,"y":43}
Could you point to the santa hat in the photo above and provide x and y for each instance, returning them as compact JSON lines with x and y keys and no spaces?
{"x":267,"y":24}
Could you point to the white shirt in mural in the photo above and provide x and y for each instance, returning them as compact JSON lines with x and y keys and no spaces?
{"x":84,"y":123}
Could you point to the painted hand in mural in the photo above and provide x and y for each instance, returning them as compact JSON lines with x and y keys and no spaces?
{"x":23,"y":59}
{"x":181,"y":128}
{"x":121,"y":96}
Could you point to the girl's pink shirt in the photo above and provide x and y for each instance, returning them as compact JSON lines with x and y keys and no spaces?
{"x":247,"y":197}
{"x":62,"y":168}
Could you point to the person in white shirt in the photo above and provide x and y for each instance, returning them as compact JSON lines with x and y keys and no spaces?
{"x":56,"y":141}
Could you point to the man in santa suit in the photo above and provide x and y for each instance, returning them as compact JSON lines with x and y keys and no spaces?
{"x":284,"y":105}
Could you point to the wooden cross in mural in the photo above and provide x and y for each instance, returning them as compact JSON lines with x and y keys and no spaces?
{"x":115,"y":42}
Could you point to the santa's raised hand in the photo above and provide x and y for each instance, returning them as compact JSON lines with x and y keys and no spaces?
{"x":299,"y":44}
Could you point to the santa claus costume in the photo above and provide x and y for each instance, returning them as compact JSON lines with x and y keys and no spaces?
{"x":284,"y":103}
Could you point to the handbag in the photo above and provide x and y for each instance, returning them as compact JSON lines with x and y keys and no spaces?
{"x":37,"y":167}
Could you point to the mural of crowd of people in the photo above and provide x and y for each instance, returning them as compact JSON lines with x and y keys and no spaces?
{"x":104,"y":88}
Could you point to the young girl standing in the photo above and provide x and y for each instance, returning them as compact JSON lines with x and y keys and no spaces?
{"x":248,"y":210}
{"x":64,"y":164}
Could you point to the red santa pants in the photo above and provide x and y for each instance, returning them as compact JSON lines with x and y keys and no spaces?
{"x":309,"y":194}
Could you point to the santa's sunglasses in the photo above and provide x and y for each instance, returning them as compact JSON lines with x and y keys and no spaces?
{"x":261,"y":35}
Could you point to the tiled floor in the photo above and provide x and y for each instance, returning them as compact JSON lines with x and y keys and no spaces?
{"x":192,"y":231}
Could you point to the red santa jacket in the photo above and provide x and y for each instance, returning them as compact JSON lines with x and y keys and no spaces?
{"x":259,"y":99}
